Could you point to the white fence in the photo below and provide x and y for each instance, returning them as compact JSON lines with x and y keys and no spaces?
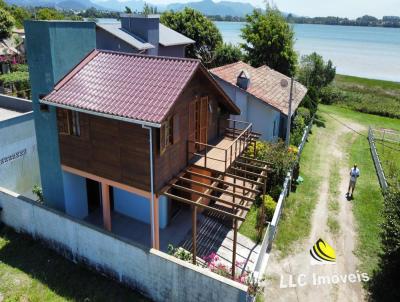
{"x":272,"y":226}
{"x":155,"y":274}
{"x":378,"y":166}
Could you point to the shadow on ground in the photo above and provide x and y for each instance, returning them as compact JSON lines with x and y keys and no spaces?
{"x":71,"y":281}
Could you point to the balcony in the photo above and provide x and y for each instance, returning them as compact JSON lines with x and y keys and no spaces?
{"x":220,"y":156}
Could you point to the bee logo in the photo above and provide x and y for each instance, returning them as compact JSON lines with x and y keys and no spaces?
{"x":322,"y":253}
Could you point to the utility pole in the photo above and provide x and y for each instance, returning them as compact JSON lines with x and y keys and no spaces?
{"x":289,"y":119}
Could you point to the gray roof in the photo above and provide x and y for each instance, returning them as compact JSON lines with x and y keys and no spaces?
{"x":116,"y":30}
{"x":168,"y":37}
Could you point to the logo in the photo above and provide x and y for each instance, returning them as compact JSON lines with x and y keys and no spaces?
{"x":322,"y":253}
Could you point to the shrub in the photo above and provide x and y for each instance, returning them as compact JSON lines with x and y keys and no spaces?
{"x":383,"y":285}
{"x":19,"y":67}
{"x":179,"y":253}
{"x":330,"y":95}
{"x":36,"y":190}
{"x":18,"y":81}
{"x":297,"y":131}
{"x":270,"y":205}
{"x":275,"y":192}
{"x":305,"y":113}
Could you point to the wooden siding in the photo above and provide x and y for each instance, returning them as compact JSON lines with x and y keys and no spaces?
{"x":174,"y":159}
{"x":115,"y":150}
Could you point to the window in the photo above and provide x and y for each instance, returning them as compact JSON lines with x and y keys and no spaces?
{"x":68,"y":122}
{"x":169,"y":133}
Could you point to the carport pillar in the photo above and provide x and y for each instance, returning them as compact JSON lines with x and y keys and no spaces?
{"x":105,"y":192}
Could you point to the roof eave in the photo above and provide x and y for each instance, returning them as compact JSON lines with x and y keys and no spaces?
{"x":100,"y":114}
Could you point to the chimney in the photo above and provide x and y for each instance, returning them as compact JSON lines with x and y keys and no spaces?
{"x":145,"y":27}
{"x":243,"y":80}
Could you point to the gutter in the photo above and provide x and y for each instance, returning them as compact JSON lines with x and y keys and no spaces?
{"x":110,"y":116}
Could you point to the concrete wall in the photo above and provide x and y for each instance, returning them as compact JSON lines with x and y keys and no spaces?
{"x":172,"y":51}
{"x":138,"y":207}
{"x":53,"y":49}
{"x":19,"y":164}
{"x":159,"y":276}
{"x":75,"y":194}
{"x":107,"y":41}
{"x":14,"y":103}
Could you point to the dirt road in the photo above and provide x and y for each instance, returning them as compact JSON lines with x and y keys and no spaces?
{"x":294,"y":278}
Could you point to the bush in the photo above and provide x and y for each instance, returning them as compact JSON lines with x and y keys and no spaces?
{"x":330,"y":95}
{"x":18,"y":81}
{"x":297,"y":131}
{"x":227,"y":54}
{"x":270,"y":205}
{"x":305,"y":113}
{"x":19,"y":67}
{"x":6,"y":23}
{"x":383,"y":285}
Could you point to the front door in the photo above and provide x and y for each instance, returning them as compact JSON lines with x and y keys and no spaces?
{"x":198,"y":124}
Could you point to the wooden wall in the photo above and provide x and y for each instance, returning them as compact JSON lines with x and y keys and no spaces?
{"x":109,"y":148}
{"x":174,"y":159}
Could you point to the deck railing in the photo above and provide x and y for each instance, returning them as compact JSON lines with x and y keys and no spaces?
{"x":241,"y":134}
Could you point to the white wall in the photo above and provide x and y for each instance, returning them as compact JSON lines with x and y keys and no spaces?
{"x":157,"y":275}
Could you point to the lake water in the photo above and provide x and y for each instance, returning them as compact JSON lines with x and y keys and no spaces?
{"x":371,"y":52}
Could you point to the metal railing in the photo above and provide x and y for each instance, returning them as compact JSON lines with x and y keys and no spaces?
{"x":377,"y":162}
{"x":241,"y":138}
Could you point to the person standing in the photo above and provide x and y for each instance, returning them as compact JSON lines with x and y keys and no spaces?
{"x":354,"y":174}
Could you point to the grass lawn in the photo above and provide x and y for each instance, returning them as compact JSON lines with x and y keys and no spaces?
{"x":370,"y":96}
{"x":389,"y":154}
{"x":368,"y":202}
{"x":295,"y":223}
{"x":31,"y":272}
{"x":249,"y":227}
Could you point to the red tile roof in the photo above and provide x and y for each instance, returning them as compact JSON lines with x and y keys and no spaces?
{"x":133,"y":87}
{"x":265,"y":84}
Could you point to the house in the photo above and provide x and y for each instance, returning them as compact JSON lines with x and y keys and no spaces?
{"x":141,"y":34}
{"x":19,"y":164}
{"x":262,"y":94}
{"x":140,"y":145}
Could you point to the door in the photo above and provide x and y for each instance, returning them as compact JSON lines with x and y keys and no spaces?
{"x":93,"y":189}
{"x":198,"y":124}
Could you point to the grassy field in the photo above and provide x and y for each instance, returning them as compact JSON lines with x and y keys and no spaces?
{"x":31,"y":272}
{"x":389,"y":154}
{"x":370,"y":96}
{"x":295,"y":223}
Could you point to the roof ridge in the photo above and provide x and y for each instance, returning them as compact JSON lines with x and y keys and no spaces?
{"x":148,"y":56}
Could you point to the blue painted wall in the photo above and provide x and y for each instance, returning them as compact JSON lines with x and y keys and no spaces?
{"x":53,"y":48}
{"x":75,"y":195}
{"x":107,"y":41}
{"x":138,"y":207}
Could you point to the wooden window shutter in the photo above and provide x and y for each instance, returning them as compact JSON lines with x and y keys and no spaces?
{"x":175,"y":133}
{"x":63,"y":121}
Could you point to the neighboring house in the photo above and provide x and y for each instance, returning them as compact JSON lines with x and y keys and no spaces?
{"x":141,"y":34}
{"x":260,"y":95}
{"x":140,"y":145}
{"x":19,"y":164}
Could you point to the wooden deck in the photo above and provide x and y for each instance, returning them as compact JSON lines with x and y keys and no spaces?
{"x":220,"y":153}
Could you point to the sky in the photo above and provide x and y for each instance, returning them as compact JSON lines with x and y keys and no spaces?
{"x":312,"y":8}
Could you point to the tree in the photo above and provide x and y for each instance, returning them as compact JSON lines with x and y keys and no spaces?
{"x":20,"y":14}
{"x":149,"y":9}
{"x":6,"y":24}
{"x":49,"y":14}
{"x":197,"y":27}
{"x":227,"y":54}
{"x":127,"y":10}
{"x":315,"y":72}
{"x":270,"y":40}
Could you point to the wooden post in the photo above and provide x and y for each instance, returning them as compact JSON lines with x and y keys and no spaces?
{"x":194,"y":233}
{"x":105,"y":192}
{"x":234,"y":248}
{"x":156,"y":224}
